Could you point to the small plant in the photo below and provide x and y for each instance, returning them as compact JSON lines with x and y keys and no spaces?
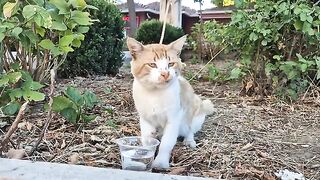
{"x":214,"y":73}
{"x":17,"y":86}
{"x":38,"y":34}
{"x":73,"y":105}
{"x":150,"y":32}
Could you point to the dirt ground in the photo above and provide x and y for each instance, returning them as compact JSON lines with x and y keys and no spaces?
{"x":246,"y":138}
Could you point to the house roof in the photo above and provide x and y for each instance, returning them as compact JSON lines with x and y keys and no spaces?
{"x":154,"y":7}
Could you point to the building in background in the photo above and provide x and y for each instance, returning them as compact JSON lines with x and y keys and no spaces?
{"x":189,"y":16}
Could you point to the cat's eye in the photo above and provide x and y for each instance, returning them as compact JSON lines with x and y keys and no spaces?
{"x":153,"y":65}
{"x":171,"y":64}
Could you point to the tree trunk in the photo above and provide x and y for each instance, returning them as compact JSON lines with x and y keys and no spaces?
{"x":132,"y":17}
{"x":174,"y":16}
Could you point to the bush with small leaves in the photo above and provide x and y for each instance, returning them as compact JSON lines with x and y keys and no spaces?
{"x":150,"y":32}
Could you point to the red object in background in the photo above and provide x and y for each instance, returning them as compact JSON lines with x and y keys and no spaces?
{"x":126,"y":18}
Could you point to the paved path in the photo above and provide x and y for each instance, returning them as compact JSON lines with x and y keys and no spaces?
{"x":27,"y":170}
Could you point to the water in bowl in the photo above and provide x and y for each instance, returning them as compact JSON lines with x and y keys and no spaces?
{"x":137,"y":159}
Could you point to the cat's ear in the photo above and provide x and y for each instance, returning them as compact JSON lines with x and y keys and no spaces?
{"x":178,"y":44}
{"x":134,"y":46}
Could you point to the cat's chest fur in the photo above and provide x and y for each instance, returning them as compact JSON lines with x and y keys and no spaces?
{"x":155,"y":105}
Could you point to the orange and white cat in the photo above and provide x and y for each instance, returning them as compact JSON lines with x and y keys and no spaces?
{"x":165,"y":101}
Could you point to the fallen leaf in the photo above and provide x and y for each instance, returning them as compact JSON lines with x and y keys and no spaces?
{"x":246,"y":147}
{"x":262,"y":154}
{"x":177,"y":171}
{"x":74,"y":158}
{"x":95,"y":138}
{"x":63,"y":145}
{"x":29,"y":126}
{"x":16,"y":153}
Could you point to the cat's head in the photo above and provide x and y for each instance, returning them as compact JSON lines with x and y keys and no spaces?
{"x":156,"y":65}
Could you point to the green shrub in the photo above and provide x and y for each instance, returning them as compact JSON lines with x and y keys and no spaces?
{"x":278,"y":47}
{"x":212,"y":39}
{"x":101,"y":51}
{"x":150,"y":32}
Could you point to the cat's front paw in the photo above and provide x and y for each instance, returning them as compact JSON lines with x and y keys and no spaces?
{"x":191,"y":144}
{"x":160,"y":164}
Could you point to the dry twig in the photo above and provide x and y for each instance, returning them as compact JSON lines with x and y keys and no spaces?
{"x":13,"y":127}
{"x":50,"y":114}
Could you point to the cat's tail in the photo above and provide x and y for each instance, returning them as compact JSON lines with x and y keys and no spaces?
{"x":207,"y":107}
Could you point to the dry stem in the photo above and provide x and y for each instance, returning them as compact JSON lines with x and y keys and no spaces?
{"x":13,"y":127}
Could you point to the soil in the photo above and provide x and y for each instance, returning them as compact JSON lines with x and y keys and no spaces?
{"x":246,"y":138}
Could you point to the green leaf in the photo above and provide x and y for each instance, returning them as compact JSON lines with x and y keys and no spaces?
{"x":83,"y":29}
{"x":4,"y":80}
{"x":303,"y":67}
{"x":253,"y":36}
{"x":62,"y":5}
{"x":60,"y":103}
{"x":82,"y":18}
{"x":32,"y":85}
{"x":60,"y":26}
{"x":88,"y":118}
{"x":277,"y":57}
{"x":8,"y":9}
{"x":41,"y":31}
{"x":39,"y":2}
{"x":269,"y":67}
{"x":14,"y":77}
{"x":264,"y":42}
{"x":66,"y":49}
{"x":91,"y":7}
{"x":235,"y":73}
{"x":292,"y":74}
{"x":310,"y":19}
{"x":29,"y":11}
{"x":66,"y":40}
{"x":306,"y":27}
{"x":15,"y":93}
{"x":70,"y":114}
{"x":90,"y":99}
{"x":74,"y":95}
{"x":303,"y":17}
{"x":298,"y":25}
{"x":16,"y":31}
{"x":78,"y":3}
{"x":2,"y":36}
{"x":29,"y":95}
{"x":11,"y":108}
{"x":46,"y":44}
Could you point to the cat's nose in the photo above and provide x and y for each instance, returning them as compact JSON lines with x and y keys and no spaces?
{"x":165,"y":74}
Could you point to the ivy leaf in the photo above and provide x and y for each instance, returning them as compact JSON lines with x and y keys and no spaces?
{"x":11,"y":108}
{"x":60,"y":103}
{"x":46,"y":44}
{"x":70,"y":114}
{"x":310,"y":19}
{"x":8,"y":9}
{"x":82,"y":18}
